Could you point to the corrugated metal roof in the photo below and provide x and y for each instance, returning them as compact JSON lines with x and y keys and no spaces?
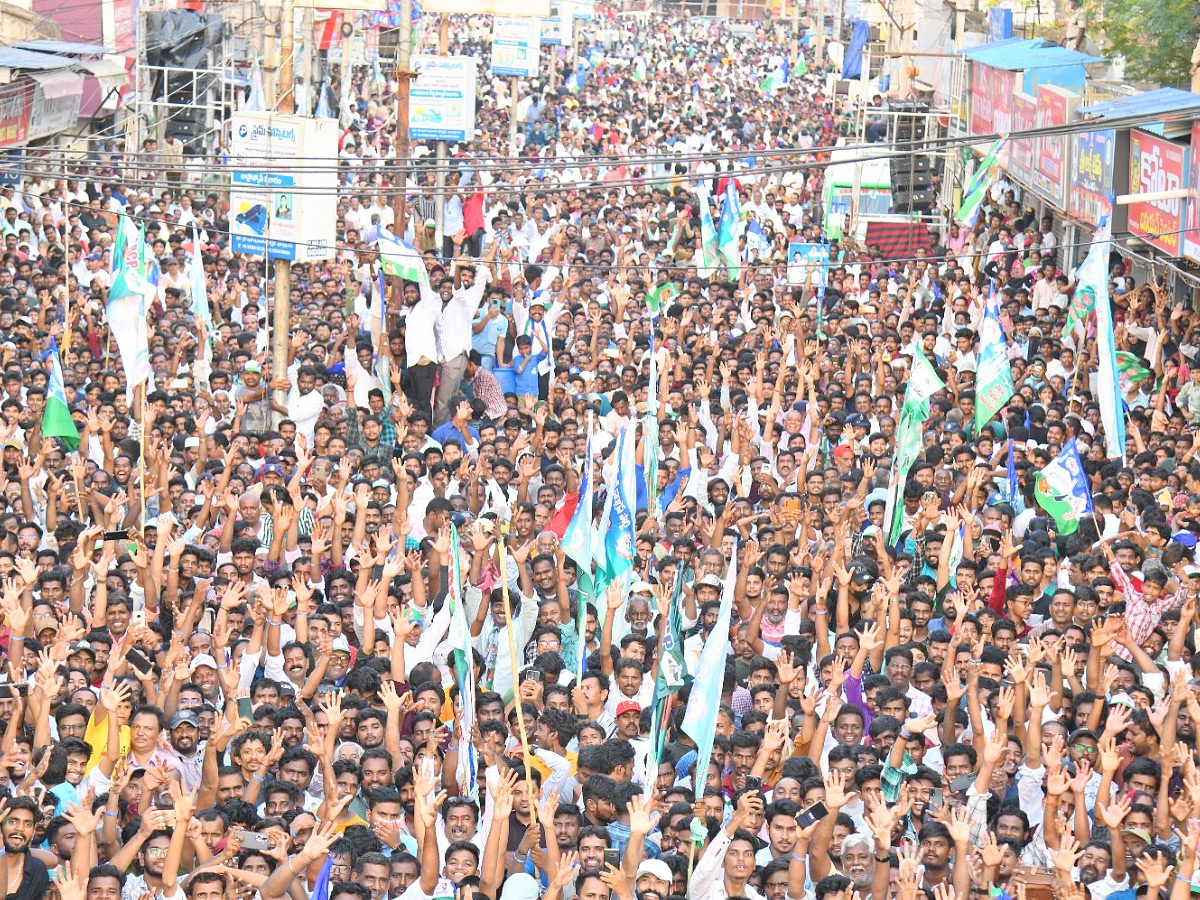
{"x":1164,"y":100}
{"x":1018,"y":54}
{"x":66,"y":48}
{"x":16,"y":58}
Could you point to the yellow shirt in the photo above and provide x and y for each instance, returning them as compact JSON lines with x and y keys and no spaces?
{"x":97,"y":738}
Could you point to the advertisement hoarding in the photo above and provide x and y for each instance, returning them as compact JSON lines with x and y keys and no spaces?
{"x":1021,"y":152}
{"x":283,"y":193}
{"x":1091,"y":181}
{"x":1156,"y":165}
{"x":1054,"y":108}
{"x":442,"y":100}
{"x":1191,"y":238}
{"x":515,"y":46}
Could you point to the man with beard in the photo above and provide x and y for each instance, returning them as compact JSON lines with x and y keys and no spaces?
{"x":653,"y":880}
{"x":858,"y":862}
{"x":185,"y":747}
{"x":25,"y":876}
{"x":1093,"y":870}
{"x":728,"y":862}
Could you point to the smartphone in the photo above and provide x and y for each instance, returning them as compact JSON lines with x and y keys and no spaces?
{"x":754,"y":783}
{"x":814,"y":813}
{"x":533,"y":675}
{"x":397,"y":452}
{"x":612,"y":858}
{"x":138,"y":660}
{"x":791,"y":506}
{"x":245,"y":708}
{"x":252,"y":840}
{"x":115,"y":535}
{"x":138,"y":618}
{"x":961,"y":783}
{"x":6,"y":692}
{"x":936,"y":800}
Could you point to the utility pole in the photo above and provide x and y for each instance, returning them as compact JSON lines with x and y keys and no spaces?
{"x":283,"y":268}
{"x":819,"y":45}
{"x":512,"y":116}
{"x":439,"y":199}
{"x":404,"y":77}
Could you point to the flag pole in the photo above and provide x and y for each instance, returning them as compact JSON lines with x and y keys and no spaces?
{"x":142,"y":459}
{"x":580,"y":598}
{"x":512,"y":655}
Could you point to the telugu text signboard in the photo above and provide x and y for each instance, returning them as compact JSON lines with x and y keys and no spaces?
{"x":283,"y":192}
{"x":1156,"y":165}
{"x":1090,"y":194}
{"x":442,"y":99}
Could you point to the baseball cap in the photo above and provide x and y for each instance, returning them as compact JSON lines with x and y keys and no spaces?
{"x":710,"y":581}
{"x":340,"y":645}
{"x":252,"y":366}
{"x":1191,"y":571}
{"x":202,"y":660}
{"x":655,"y":867}
{"x":185,"y":717}
{"x":627,"y":706}
{"x":273,"y":469}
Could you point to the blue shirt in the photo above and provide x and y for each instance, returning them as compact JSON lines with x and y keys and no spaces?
{"x":448,"y":430}
{"x":484,"y":342}
{"x":527,"y":381}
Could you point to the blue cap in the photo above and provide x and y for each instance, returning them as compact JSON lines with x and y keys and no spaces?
{"x":1187,"y":538}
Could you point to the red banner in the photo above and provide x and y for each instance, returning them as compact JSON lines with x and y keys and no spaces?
{"x":1156,"y":165}
{"x":14,"y":113}
{"x":982,"y":99}
{"x":1191,"y":238}
{"x":1024,"y":118}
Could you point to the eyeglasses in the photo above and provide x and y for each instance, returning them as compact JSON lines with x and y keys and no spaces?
{"x":1084,"y":748}
{"x":345,"y":870}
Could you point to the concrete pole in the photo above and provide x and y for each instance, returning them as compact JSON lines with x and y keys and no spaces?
{"x":819,"y":43}
{"x":404,"y":78}
{"x":283,"y":268}
{"x":439,"y":199}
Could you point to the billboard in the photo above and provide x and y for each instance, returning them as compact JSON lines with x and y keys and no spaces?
{"x":283,"y":192}
{"x":54,"y":107}
{"x":14,"y":113}
{"x":1156,"y":165}
{"x":1091,"y":181}
{"x":1191,"y":238}
{"x":1054,"y":108}
{"x":982,"y":98}
{"x":515,"y":46}
{"x":441,"y":103}
{"x":1021,"y":151}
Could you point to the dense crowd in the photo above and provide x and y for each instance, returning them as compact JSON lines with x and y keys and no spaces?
{"x":323,"y":631}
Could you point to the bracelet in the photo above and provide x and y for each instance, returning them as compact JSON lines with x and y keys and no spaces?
{"x":269,"y":622}
{"x":820,"y":612}
{"x":110,"y":815}
{"x":258,"y":778}
{"x":452,"y":746}
{"x":883,"y":859}
{"x":905,"y":733}
{"x":18,"y":640}
{"x":1184,"y":880}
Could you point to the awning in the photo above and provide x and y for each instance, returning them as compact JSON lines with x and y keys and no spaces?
{"x":58,"y":84}
{"x":14,"y":58}
{"x":65,"y":48}
{"x":1019,"y":54}
{"x":1153,"y":109}
{"x":1164,"y":100}
{"x":102,"y":86}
